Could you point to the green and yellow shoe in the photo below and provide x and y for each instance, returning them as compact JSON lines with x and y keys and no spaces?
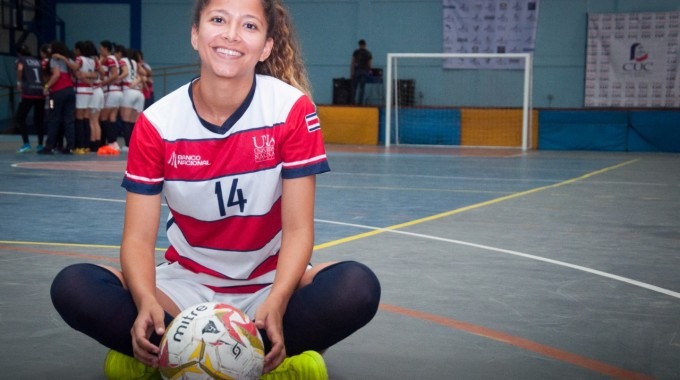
{"x":118,"y":366}
{"x":309,"y":365}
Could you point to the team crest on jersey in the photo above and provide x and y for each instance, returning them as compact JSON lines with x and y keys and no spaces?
{"x":264,"y":148}
{"x":177,"y":160}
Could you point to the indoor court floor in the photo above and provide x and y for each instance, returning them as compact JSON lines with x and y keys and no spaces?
{"x":494,"y":264}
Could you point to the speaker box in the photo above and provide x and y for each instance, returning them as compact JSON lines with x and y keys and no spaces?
{"x":342,"y":90}
{"x":406,"y":91}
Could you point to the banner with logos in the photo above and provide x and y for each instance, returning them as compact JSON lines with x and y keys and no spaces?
{"x":632,"y":60}
{"x":489,"y":26}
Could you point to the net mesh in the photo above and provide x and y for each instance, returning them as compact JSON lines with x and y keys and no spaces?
{"x":431,"y":105}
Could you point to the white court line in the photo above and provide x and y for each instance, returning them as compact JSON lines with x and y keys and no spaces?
{"x":61,"y":196}
{"x":67,"y":197}
{"x":480,"y":246}
{"x":515,"y":253}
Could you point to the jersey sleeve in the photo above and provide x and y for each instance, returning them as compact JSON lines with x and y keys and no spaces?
{"x":144,"y":173}
{"x":303,"y":150}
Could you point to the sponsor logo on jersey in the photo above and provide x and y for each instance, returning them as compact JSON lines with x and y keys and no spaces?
{"x":177,"y":160}
{"x":264,"y":148}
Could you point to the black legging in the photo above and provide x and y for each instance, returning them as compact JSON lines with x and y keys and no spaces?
{"x":341,"y":299}
{"x":25,"y":106}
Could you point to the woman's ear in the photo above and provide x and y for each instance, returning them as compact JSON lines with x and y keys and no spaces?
{"x":267,"y":51}
{"x":194,"y":37}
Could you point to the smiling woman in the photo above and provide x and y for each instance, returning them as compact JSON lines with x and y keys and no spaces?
{"x":235,"y":153}
{"x":231,"y":38}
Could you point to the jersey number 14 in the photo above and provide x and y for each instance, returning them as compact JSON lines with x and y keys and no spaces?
{"x":235,"y":197}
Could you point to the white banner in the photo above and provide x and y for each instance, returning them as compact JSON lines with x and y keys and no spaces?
{"x":632,"y":60}
{"x":489,"y":26}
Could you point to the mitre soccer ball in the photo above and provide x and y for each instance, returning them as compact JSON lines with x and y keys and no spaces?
{"x":211,"y":341}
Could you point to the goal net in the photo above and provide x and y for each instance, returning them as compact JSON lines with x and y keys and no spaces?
{"x":428,"y":104}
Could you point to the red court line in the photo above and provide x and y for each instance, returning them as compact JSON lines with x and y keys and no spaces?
{"x":564,"y":356}
{"x":525,"y":344}
{"x":14,"y":248}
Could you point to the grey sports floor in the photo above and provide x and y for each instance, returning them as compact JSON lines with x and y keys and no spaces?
{"x":494,"y":264}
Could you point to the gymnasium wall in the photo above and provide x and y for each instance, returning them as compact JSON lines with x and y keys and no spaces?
{"x":329,"y":31}
{"x":621,"y":130}
{"x":602,"y":130}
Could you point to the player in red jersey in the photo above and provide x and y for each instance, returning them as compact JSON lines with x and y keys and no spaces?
{"x":235,"y":153}
{"x":113,"y":96}
{"x":133,"y":97}
{"x":86,"y":71}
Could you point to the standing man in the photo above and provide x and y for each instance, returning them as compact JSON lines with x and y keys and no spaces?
{"x":360,"y":69}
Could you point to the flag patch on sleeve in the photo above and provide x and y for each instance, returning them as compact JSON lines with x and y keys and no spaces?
{"x":312,"y":122}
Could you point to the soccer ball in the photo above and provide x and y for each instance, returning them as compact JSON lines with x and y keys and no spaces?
{"x":211,"y":341}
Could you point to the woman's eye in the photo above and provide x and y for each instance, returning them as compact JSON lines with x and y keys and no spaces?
{"x":251,"y":26}
{"x":217,"y":19}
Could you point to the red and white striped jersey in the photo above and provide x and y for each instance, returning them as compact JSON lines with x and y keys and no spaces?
{"x":112,"y":66}
{"x":131,"y":77}
{"x":87,"y":65}
{"x":222,"y":184}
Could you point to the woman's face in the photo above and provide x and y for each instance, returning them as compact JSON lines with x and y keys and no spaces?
{"x":231,"y":38}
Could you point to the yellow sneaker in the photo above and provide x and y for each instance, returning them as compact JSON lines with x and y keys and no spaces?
{"x":309,"y":365}
{"x":118,"y":366}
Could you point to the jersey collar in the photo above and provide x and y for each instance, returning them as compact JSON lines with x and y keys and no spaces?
{"x":232,"y":119}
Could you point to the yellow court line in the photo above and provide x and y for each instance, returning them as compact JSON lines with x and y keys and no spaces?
{"x":52,"y":244}
{"x":468,"y":208}
{"x":385,"y":229}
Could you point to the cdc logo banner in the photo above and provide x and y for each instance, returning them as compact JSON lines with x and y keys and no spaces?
{"x":632,"y":60}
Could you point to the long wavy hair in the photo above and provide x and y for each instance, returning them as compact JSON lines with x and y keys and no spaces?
{"x":285,"y":61}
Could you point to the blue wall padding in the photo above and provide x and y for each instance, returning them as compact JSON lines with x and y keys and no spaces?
{"x":582,"y":130}
{"x":433,"y":127}
{"x":654,"y":131}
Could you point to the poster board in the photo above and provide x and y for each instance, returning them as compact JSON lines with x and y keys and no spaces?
{"x":632,"y":60}
{"x":488,"y":26}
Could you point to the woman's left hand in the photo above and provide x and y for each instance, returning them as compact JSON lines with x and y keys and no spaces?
{"x":269,"y":317}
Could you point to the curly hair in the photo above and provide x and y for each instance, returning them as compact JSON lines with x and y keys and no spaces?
{"x":285,"y":61}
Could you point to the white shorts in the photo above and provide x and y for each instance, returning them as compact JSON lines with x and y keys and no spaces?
{"x":185,"y":289}
{"x":133,"y":99}
{"x":113,"y":99}
{"x":96,"y":100}
{"x":83,"y":100}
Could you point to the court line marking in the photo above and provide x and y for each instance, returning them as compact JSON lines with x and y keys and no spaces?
{"x":472,"y":207}
{"x":395,"y":229}
{"x":470,"y":328}
{"x":52,"y":244}
{"x":560,"y":355}
{"x":520,"y":254}
{"x":62,"y":196}
{"x":10,"y":246}
{"x":66,"y":197}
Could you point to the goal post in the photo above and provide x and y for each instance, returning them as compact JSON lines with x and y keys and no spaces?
{"x":428,"y":104}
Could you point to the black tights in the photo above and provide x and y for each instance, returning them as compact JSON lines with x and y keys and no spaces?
{"x":341,"y":299}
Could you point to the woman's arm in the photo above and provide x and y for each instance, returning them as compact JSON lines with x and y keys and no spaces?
{"x":297,"y":214}
{"x":55,"y":73}
{"x":138,"y":264}
{"x":73,"y":65}
{"x":297,"y":220}
{"x":20,"y":74}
